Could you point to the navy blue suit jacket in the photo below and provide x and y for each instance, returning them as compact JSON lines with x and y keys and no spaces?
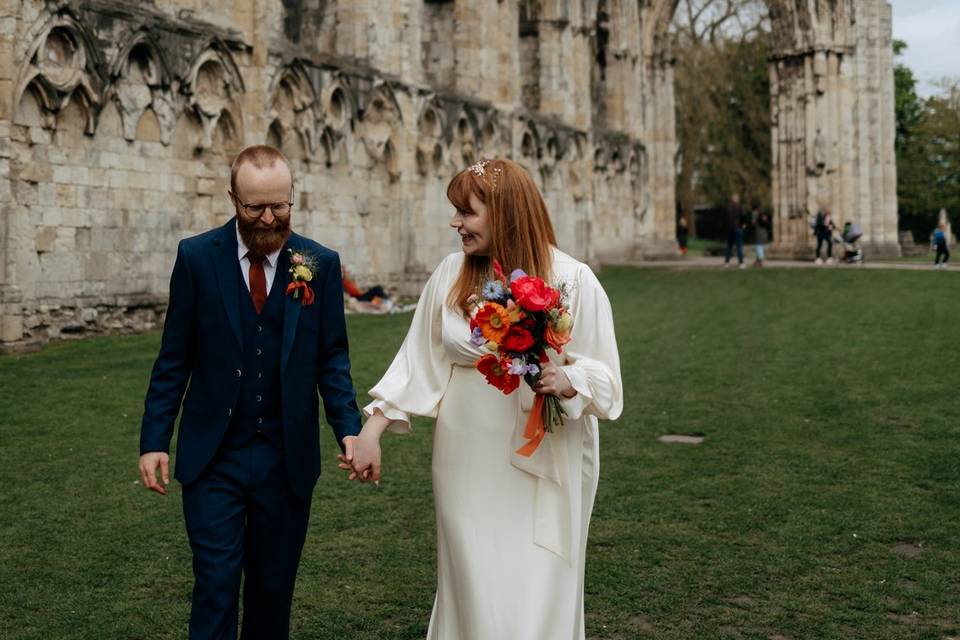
{"x":202,"y":345}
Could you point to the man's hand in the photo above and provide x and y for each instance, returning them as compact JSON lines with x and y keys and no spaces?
{"x":361,"y":456}
{"x":148,"y":471}
{"x":553,"y":381}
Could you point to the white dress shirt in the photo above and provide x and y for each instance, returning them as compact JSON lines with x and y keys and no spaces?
{"x":269,"y":264}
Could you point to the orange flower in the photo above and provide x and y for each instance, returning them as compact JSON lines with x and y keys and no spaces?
{"x":556,"y":339}
{"x":494,"y":369}
{"x":558,"y":329}
{"x":493,"y":321}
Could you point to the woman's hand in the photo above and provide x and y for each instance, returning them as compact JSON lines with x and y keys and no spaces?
{"x":364,"y":464}
{"x":553,"y":381}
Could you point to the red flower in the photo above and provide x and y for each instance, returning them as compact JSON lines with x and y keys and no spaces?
{"x":533,"y":294}
{"x":300,"y":286}
{"x":517,"y":340}
{"x":495,"y":371}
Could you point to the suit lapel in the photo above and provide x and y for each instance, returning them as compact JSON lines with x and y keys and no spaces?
{"x":226,"y":264}
{"x":291,"y":307}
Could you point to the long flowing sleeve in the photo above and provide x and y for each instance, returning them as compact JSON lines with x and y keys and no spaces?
{"x":420,"y":372}
{"x":593,"y":362}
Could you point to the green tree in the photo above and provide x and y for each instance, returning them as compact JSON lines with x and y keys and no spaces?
{"x":928,"y":152}
{"x":908,"y":105}
{"x":722,"y":92}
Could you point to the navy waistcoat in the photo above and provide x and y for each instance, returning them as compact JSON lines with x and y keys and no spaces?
{"x":258,"y":409}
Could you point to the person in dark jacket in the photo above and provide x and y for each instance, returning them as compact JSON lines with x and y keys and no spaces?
{"x":736,"y":224}
{"x":823,"y":228}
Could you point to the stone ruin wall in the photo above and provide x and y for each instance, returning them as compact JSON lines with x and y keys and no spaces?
{"x":118,"y":121}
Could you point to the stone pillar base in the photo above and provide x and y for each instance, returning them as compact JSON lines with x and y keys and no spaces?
{"x":656,"y":250}
{"x":791,"y":250}
{"x":11,"y":314}
{"x":879,"y":251}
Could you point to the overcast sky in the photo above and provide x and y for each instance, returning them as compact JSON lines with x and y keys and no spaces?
{"x":931,"y":29}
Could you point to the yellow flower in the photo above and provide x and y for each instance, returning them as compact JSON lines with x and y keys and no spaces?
{"x":302,"y":273}
{"x":491,"y":346}
{"x":563,"y":323}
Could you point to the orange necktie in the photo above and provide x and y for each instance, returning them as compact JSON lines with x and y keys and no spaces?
{"x":258,"y":282}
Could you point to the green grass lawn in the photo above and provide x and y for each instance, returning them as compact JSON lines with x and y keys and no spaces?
{"x":823,"y":503}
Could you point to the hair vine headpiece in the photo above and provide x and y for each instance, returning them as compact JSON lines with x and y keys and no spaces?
{"x":479,"y":169}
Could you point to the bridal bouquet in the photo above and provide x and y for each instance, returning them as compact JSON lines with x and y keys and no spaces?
{"x":517,"y":320}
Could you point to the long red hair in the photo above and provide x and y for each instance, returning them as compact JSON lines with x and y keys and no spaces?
{"x":521,"y":234}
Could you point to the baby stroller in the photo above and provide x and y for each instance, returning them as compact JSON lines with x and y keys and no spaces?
{"x":852,"y":253}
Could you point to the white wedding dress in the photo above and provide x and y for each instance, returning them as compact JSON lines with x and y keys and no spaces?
{"x":511,"y":531}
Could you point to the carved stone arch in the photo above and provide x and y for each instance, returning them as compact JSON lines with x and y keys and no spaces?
{"x":530,"y":144}
{"x":381,"y":123}
{"x":492,"y":135}
{"x":213,"y":87}
{"x":338,"y":103}
{"x":141,"y":79}
{"x":601,"y":158}
{"x":576,"y":149}
{"x":431,"y":136}
{"x":618,"y":159}
{"x":463,"y":132}
{"x":332,"y":147}
{"x":294,"y":104}
{"x":62,"y":66}
{"x":551,"y":151}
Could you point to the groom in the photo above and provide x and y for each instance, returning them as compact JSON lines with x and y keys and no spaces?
{"x":254,"y":356}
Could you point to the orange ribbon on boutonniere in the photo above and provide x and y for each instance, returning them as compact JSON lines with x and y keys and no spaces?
{"x":301,"y":273}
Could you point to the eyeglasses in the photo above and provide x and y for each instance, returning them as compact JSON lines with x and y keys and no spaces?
{"x":280,"y":209}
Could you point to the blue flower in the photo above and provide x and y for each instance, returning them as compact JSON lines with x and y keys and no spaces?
{"x":533,"y":369}
{"x":493,"y":290}
{"x":477,"y":339}
{"x":517,"y":367}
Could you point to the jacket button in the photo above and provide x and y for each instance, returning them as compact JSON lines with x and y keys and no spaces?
{"x":259,"y":420}
{"x":239,"y":373}
{"x":259,"y":351}
{"x":229,"y":412}
{"x":259,"y":397}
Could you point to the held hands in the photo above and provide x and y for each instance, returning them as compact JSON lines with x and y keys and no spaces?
{"x":361,"y":456}
{"x":149,"y":462}
{"x":553,"y":381}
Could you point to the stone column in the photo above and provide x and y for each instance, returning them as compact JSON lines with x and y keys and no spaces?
{"x":833,"y":127}
{"x":660,"y":139}
{"x":11,"y":313}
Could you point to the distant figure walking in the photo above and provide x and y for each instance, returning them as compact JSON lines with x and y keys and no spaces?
{"x":761,"y":234}
{"x":940,"y":244}
{"x":736,"y":223}
{"x":683,"y":232}
{"x":823,"y":228}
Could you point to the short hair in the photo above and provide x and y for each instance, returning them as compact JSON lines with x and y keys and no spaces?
{"x":260,"y":156}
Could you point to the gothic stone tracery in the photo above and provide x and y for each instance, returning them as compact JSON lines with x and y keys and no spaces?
{"x":118,"y":121}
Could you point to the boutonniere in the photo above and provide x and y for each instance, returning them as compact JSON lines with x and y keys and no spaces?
{"x":301,"y":273}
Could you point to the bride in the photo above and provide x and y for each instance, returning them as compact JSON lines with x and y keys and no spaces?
{"x":511,"y":530}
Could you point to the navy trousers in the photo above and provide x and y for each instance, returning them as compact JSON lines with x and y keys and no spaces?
{"x":242,"y":518}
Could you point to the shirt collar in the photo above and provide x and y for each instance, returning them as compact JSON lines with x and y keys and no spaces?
{"x":242,"y":250}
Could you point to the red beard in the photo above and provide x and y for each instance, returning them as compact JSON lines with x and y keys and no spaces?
{"x":263,"y":241}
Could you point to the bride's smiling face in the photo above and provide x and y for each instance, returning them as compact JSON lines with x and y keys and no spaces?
{"x":473,"y":228}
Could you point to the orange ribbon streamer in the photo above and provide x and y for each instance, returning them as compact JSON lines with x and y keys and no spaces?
{"x":305,"y":288}
{"x":535,"y":430}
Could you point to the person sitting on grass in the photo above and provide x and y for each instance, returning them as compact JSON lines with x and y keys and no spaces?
{"x":373,"y":300}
